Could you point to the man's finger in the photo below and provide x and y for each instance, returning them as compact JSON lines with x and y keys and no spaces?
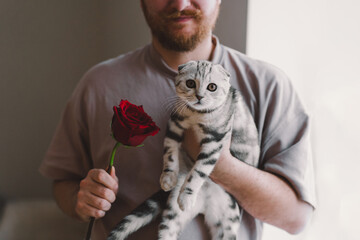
{"x":102,"y":177}
{"x":104,"y":193}
{"x":97,"y":202}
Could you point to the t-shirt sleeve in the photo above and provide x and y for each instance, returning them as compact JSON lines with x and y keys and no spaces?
{"x":68,"y":154}
{"x":286,"y":146}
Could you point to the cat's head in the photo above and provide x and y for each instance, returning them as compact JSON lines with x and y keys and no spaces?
{"x":202,"y":85}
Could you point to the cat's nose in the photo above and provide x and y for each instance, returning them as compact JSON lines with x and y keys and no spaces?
{"x":199,"y":97}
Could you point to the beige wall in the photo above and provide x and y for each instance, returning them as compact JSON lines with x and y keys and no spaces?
{"x":316,"y":43}
{"x":45,"y":47}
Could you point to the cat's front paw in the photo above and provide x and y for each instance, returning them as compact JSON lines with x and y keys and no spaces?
{"x":168,"y":180}
{"x":186,"y":199}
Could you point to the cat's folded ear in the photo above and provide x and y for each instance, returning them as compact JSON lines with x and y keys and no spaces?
{"x":223,"y":70}
{"x":182,"y":66}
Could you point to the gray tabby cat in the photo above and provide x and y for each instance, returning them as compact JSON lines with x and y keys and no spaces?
{"x":216,"y":111}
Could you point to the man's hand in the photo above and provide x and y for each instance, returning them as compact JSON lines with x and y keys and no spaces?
{"x":96,"y":194}
{"x":264,"y":195}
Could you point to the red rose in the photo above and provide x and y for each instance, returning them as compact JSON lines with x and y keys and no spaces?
{"x":131,"y":125}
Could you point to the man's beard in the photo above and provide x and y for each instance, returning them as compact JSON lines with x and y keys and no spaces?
{"x":165,"y":31}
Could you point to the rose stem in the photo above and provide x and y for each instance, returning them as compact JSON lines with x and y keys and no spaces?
{"x":113,"y":156}
{"x":92,"y":219}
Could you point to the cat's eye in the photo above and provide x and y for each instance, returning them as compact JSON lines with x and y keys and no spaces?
{"x":212,"y":87}
{"x":190,"y":83}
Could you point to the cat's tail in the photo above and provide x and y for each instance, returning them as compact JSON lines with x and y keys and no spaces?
{"x":141,"y":216}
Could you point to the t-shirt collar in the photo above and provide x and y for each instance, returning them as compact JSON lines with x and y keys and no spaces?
{"x":158,"y":62}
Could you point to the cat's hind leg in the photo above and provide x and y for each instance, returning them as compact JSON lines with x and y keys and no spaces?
{"x":222,"y":214}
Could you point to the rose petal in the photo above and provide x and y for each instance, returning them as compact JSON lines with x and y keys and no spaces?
{"x":131,"y":125}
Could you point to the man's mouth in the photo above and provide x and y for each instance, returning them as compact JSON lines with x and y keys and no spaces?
{"x":183,"y":16}
{"x":182,"y":19}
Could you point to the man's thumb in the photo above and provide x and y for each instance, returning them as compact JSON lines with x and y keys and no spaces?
{"x":112,"y":173}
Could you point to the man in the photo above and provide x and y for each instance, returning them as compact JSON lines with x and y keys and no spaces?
{"x":279,"y":192}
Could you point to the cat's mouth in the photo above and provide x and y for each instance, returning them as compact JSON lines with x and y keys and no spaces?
{"x":195,"y":105}
{"x":198,"y":105}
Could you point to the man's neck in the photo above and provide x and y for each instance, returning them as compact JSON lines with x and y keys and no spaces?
{"x":173,"y":59}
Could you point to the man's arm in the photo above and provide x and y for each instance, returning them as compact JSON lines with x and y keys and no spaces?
{"x":263,"y":195}
{"x":65,"y":192}
{"x":90,"y":197}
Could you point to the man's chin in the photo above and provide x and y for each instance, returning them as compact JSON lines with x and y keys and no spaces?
{"x":178,"y":44}
{"x":182,"y":32}
{"x":181,"y":38}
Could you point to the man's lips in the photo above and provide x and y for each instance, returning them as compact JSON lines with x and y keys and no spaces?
{"x":183,"y":16}
{"x":182,"y":19}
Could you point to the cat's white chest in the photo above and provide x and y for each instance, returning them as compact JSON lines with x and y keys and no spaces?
{"x":201,"y":119}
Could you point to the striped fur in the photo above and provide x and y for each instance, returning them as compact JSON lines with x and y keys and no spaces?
{"x":141,"y":216}
{"x":208,"y":104}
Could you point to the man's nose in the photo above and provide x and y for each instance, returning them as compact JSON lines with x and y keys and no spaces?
{"x":181,"y":4}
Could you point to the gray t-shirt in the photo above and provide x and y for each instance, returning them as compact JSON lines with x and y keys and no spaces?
{"x":82,"y":140}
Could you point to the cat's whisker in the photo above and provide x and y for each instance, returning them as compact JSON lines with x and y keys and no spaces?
{"x":179,"y":107}
{"x":183,"y":107}
{"x":171,"y":100}
{"x":168,"y":106}
{"x":174,"y":109}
